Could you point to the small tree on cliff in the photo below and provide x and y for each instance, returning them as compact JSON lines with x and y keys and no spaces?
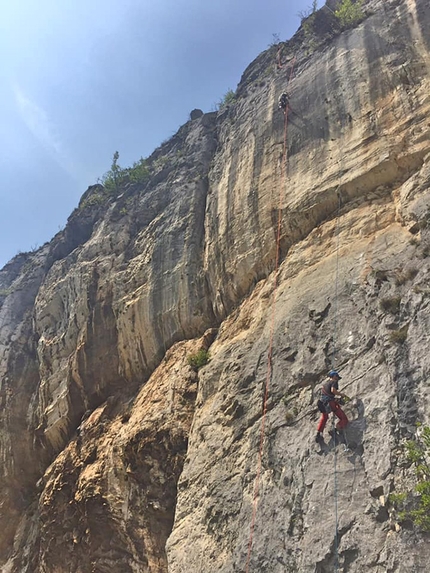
{"x":112,"y":179}
{"x":115,"y":169}
{"x":117,"y":176}
{"x":303,"y":14}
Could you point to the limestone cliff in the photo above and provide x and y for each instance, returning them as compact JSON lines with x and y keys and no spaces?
{"x":117,"y":456}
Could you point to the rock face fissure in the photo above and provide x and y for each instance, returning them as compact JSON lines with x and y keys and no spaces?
{"x":116,"y":455}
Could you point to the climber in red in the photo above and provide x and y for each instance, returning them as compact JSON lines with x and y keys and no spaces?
{"x":328,"y":403}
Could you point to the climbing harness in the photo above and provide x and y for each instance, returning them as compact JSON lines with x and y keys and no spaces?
{"x":272,"y":328}
{"x":324,"y":405}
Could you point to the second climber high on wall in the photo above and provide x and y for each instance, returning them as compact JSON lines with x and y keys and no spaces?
{"x":283,"y":102}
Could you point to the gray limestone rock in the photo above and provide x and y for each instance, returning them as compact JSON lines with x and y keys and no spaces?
{"x":195,"y":114}
{"x":116,"y":455}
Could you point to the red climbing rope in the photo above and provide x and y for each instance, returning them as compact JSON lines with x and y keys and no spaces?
{"x":272,"y":327}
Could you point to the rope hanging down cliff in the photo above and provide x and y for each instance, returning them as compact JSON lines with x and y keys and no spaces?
{"x":335,"y":485}
{"x":282,"y":187}
{"x":334,"y":365}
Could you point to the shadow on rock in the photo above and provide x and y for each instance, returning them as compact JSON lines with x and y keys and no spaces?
{"x":354,"y":432}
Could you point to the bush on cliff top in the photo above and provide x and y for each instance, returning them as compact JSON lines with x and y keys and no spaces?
{"x":113,"y":179}
{"x":320,"y":26}
{"x":349,"y":13}
{"x":304,"y":14}
{"x":227,"y":99}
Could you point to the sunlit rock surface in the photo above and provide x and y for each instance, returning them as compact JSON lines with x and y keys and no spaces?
{"x":116,"y":455}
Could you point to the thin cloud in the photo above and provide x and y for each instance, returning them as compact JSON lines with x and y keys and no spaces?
{"x":37,"y":121}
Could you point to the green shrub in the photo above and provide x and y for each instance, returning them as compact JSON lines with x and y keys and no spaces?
{"x":391,"y":304}
{"x":275,"y":40}
{"x":349,"y":13}
{"x":160,"y":162}
{"x":117,"y":176}
{"x":380,"y":274}
{"x":397,"y":499}
{"x":303,"y":14}
{"x":113,"y":178}
{"x":289,"y":417}
{"x":199,"y":359}
{"x":422,"y":290}
{"x":291,"y":411}
{"x":416,"y":507}
{"x":411,"y":274}
{"x":408,"y":275}
{"x":425,"y":221}
{"x":308,"y":27}
{"x":93,"y":200}
{"x":227,"y":99}
{"x":399,"y":336}
{"x":139,"y":171}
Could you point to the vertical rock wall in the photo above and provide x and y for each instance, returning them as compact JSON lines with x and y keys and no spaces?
{"x":359,"y":131}
{"x":97,"y":428}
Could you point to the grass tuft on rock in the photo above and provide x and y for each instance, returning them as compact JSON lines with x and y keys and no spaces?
{"x":391,"y":304}
{"x":399,"y":336}
{"x":199,"y":359}
{"x":404,"y":277}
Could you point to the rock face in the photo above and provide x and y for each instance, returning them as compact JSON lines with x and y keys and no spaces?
{"x":196,"y":114}
{"x":116,"y":455}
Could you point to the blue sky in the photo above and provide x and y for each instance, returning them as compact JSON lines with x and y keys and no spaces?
{"x":80,"y":79}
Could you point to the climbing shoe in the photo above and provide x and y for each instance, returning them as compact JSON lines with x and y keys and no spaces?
{"x":318,"y":437}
